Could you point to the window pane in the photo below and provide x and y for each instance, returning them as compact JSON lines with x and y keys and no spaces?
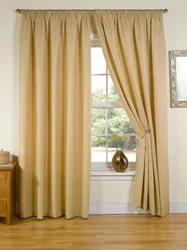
{"x":98,"y":61}
{"x":98,"y":120}
{"x":125,"y":142}
{"x":118,"y":122}
{"x":112,"y":95}
{"x":99,"y":88}
{"x":98,"y":149}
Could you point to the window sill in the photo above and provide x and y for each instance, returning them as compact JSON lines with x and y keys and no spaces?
{"x":112,"y":175}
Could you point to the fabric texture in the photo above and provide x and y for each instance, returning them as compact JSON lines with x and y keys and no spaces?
{"x":55,"y":114}
{"x":134,"y":47}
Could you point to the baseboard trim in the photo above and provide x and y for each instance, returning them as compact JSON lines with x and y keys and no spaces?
{"x":114,"y":208}
{"x":129,"y":208}
{"x":178,"y":207}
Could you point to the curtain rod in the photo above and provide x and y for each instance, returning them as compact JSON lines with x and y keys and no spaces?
{"x":20,"y":10}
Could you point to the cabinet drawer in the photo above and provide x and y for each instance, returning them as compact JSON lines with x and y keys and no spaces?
{"x":3,"y":178}
{"x":3,"y":192}
{"x":3,"y":207}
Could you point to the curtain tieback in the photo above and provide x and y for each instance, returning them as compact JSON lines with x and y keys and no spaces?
{"x":144,"y":135}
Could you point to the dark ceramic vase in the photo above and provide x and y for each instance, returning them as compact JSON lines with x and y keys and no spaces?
{"x":119,"y":161}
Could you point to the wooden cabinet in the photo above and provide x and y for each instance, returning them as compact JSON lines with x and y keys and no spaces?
{"x":6,"y":186}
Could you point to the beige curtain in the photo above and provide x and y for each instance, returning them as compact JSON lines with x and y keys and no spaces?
{"x":55,"y":114}
{"x":134,"y":48}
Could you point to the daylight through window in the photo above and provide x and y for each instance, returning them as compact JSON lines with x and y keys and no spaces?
{"x":111,"y":128}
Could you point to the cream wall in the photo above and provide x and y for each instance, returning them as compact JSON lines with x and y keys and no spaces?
{"x":176,"y":38}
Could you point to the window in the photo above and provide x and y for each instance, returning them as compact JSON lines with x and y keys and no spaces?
{"x":109,"y":119}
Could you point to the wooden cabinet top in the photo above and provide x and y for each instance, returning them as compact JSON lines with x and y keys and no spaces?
{"x":6,"y":167}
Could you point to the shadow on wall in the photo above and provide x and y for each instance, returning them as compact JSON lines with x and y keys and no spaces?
{"x":16,"y":186}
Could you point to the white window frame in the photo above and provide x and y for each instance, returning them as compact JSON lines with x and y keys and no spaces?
{"x":100,"y":170}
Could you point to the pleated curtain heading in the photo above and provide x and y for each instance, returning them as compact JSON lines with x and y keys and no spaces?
{"x":55,"y":107}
